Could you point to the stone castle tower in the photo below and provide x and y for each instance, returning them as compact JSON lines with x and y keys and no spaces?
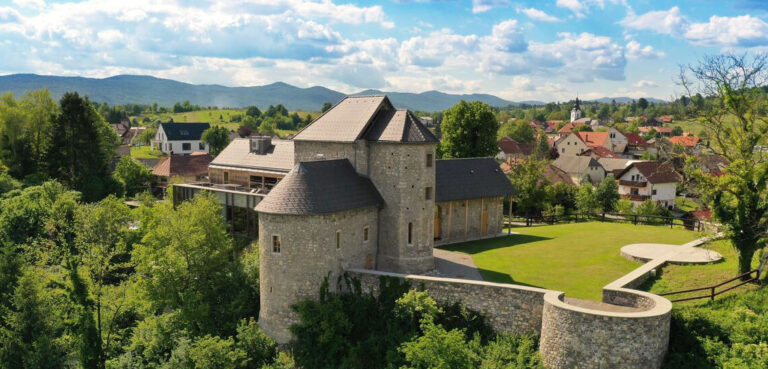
{"x":361,"y":195}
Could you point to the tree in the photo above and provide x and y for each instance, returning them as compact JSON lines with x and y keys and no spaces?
{"x":217,"y":138}
{"x":735,"y":123}
{"x":267,"y":128}
{"x":531,"y":192}
{"x":469,"y":130}
{"x":607,"y":194}
{"x":326,"y":106}
{"x":604,"y":112}
{"x":582,"y":128}
{"x":518,"y":130}
{"x":642,"y":103}
{"x":561,"y":194}
{"x":253,"y":112}
{"x":146,"y":137}
{"x":40,"y":110}
{"x":82,"y":147}
{"x":134,"y":175}
{"x":677,"y":131}
{"x":586,"y":201}
{"x":543,"y":150}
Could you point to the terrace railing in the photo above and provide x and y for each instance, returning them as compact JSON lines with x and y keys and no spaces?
{"x":637,"y":219}
{"x":717,"y":289}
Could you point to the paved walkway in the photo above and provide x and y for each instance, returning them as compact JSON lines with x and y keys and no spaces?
{"x":685,"y":254}
{"x":451,"y":264}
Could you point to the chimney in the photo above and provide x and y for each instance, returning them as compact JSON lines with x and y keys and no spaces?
{"x":260,"y":144}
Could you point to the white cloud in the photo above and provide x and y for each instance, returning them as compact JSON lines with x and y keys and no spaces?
{"x":645,"y":83}
{"x":576,"y":6}
{"x":34,"y":4}
{"x":539,"y":15}
{"x":743,"y":31}
{"x":507,"y":36}
{"x":432,"y":50}
{"x":636,"y":51}
{"x":481,"y":6}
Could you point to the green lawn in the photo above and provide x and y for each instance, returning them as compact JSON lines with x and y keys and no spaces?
{"x":577,"y":258}
{"x":682,"y":277}
{"x":144,"y":152}
{"x":686,"y":204}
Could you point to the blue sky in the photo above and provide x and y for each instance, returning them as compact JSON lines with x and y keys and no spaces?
{"x":545,"y":50}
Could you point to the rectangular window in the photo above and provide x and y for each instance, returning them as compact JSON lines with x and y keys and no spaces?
{"x":186,"y":146}
{"x":365,"y":234}
{"x":410,"y":233}
{"x":170,"y":146}
{"x":338,"y":240}
{"x":276,"y":244}
{"x":653,"y":192}
{"x":429,"y":160}
{"x":428,"y":193}
{"x":201,"y":145}
{"x":226,"y":177}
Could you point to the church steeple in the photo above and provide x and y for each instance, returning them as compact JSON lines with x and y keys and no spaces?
{"x":576,"y":111}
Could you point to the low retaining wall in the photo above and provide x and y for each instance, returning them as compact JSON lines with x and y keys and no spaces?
{"x":508,"y":307}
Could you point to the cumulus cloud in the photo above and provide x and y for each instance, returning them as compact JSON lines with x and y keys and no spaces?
{"x":432,"y":50}
{"x":636,"y":51}
{"x":646,"y":83}
{"x":576,"y":6}
{"x":481,"y":6}
{"x":539,"y":15}
{"x":743,"y":31}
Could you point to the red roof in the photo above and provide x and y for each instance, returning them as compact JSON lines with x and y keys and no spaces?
{"x":634,"y":139}
{"x":667,"y":118}
{"x":601,"y":152}
{"x":703,"y":214}
{"x":687,"y":141}
{"x":183,"y":165}
{"x":646,"y":129}
{"x":568,"y":127}
{"x":510,"y":146}
{"x":593,"y":139}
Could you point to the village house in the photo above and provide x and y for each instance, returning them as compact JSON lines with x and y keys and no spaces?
{"x":257,"y":163}
{"x":691,"y":144}
{"x":636,"y":145}
{"x":570,"y":145}
{"x":581,"y":168}
{"x":649,"y":180}
{"x":180,"y":138}
{"x":612,"y":140}
{"x":666,"y":118}
{"x":511,"y":149}
{"x":614,"y":166}
{"x":599,"y":152}
{"x":662,"y":131}
{"x":184,"y":168}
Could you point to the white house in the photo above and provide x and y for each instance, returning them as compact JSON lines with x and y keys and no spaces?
{"x":581,"y":168}
{"x":649,"y":180}
{"x":180,"y":138}
{"x":570,"y":145}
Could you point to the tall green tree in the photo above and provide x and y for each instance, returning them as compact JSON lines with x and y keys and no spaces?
{"x":586,"y":201}
{"x":526,"y":178}
{"x":134,"y":175}
{"x":542,"y":151}
{"x":82,"y":148}
{"x":736,"y":125}
{"x":40,"y":109}
{"x":469,"y":130}
{"x":217,"y":137}
{"x":607,"y":194}
{"x":518,"y":130}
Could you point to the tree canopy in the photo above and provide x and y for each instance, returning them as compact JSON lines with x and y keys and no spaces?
{"x":469,"y":130}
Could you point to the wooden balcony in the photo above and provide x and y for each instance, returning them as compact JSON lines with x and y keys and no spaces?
{"x":623,"y":182}
{"x":636,"y":197}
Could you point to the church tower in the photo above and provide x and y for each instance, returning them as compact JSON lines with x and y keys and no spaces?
{"x":576,"y":111}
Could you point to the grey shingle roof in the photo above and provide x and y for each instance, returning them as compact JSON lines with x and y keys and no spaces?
{"x":398,"y":126}
{"x":464,"y":179}
{"x":238,"y":154}
{"x":654,"y":172}
{"x":575,"y":164}
{"x":319,"y":187}
{"x":346,"y":121}
{"x":184,"y":131}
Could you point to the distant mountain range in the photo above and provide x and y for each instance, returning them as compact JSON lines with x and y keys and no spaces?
{"x":126,"y":89}
{"x":624,"y":100}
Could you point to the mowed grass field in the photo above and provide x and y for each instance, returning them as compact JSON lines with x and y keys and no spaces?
{"x":217,"y":117}
{"x":577,"y":258}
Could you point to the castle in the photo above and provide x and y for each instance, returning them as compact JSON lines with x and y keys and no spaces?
{"x":362,"y":194}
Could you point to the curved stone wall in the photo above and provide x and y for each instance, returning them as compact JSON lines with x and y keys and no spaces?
{"x":576,"y":337}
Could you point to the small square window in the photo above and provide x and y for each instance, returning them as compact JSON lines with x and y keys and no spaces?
{"x":201,"y":146}
{"x":365,"y":234}
{"x":429,"y":160}
{"x":276,"y":244}
{"x":653,"y":192}
{"x":186,"y":146}
{"x":428,"y":193}
{"x":338,"y":240}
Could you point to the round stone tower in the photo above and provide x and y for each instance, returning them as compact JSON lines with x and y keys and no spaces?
{"x":321,"y":219}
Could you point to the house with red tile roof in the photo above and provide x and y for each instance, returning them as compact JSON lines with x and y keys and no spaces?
{"x":667,"y":118}
{"x":599,"y":152}
{"x":612,"y":140}
{"x":663,"y":131}
{"x":570,"y":145}
{"x":688,"y":142}
{"x":190,"y":168}
{"x":511,"y":149}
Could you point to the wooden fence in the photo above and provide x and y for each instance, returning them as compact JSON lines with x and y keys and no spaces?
{"x":686,"y":223}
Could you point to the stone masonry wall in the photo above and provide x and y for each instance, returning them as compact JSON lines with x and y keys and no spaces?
{"x":508,"y":308}
{"x":308,"y":254}
{"x":401,"y":174}
{"x":574,"y":337}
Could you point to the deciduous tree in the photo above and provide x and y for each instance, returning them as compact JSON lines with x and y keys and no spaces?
{"x":469,"y":130}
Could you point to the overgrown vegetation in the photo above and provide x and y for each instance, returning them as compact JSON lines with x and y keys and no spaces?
{"x":400,"y":327}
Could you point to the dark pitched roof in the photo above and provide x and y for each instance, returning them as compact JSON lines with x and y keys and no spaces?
{"x":634,"y":139}
{"x":183,"y":165}
{"x":345,"y":121}
{"x":319,"y":187}
{"x":184,"y":131}
{"x":654,"y":171}
{"x":464,"y":179}
{"x":398,"y":126}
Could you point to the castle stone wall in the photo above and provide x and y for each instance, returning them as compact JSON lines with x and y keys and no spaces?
{"x":574,"y":337}
{"x":308,"y":254}
{"x":401,"y":174}
{"x":508,"y":308}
